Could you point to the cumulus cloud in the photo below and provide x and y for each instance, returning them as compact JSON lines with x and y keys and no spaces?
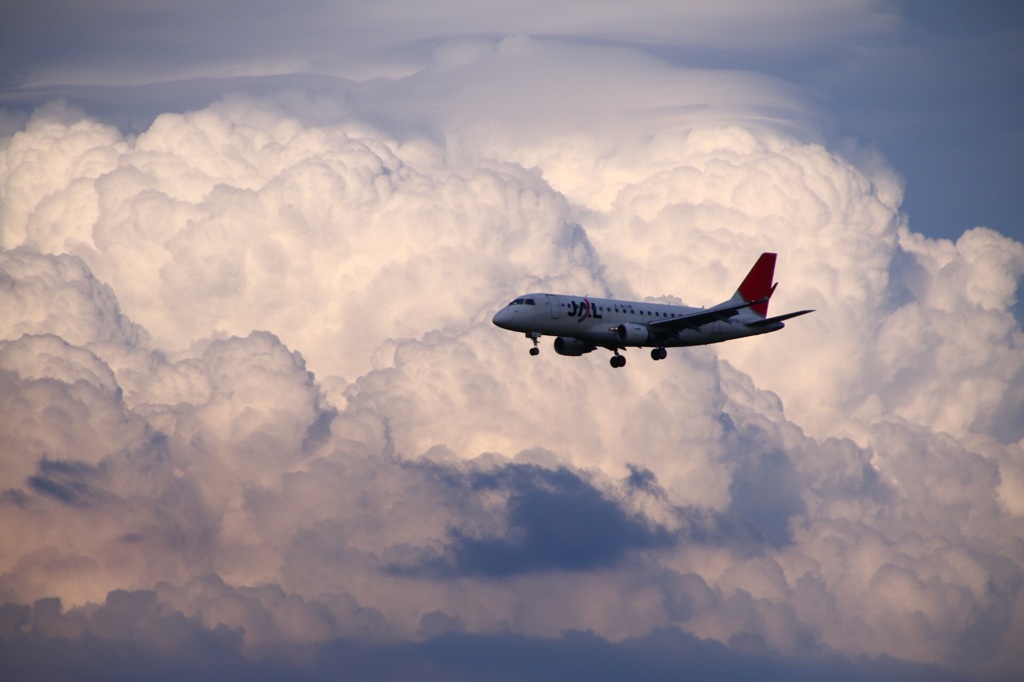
{"x":254,"y":407}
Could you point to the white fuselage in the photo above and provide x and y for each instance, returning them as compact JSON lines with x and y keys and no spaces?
{"x":596,"y":321}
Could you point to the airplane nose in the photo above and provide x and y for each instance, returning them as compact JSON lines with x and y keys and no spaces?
{"x":502,"y":318}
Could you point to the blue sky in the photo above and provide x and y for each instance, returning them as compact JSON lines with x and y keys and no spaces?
{"x":257,"y":420}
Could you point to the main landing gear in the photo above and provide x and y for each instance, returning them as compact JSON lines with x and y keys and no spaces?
{"x":656,"y":353}
{"x":535,"y":337}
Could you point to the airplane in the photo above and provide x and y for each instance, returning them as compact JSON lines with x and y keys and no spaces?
{"x":581,"y":324}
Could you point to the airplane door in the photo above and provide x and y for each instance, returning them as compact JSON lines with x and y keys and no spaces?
{"x":554,"y":307}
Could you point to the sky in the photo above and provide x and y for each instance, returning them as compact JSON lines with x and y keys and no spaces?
{"x":257,"y":421}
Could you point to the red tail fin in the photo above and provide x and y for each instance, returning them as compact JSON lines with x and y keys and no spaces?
{"x":758,"y":285}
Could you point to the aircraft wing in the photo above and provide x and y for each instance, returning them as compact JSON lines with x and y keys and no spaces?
{"x":695,"y":320}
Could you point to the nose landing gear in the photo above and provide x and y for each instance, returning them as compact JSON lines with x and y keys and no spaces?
{"x":535,"y":337}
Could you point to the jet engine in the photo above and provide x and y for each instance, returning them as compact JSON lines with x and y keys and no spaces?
{"x":569,"y":346}
{"x":632,"y":333}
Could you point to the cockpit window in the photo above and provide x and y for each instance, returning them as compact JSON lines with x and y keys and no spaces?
{"x":529,"y":301}
{"x":523,"y":301}
{"x":518,"y":301}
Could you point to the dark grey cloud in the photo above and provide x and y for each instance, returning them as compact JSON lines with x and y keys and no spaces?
{"x":133,"y":634}
{"x":765,"y":492}
{"x":67,"y":481}
{"x":556,"y":520}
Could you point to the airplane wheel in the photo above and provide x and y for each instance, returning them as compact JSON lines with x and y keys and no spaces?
{"x":659,"y":354}
{"x":535,"y":351}
{"x":618,"y":361}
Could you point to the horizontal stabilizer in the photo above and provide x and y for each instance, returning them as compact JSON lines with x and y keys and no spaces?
{"x":778,"y":318}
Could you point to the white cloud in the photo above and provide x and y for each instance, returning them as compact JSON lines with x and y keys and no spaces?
{"x":203,"y":397}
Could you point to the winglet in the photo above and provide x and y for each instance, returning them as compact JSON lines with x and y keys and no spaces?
{"x":757,"y":285}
